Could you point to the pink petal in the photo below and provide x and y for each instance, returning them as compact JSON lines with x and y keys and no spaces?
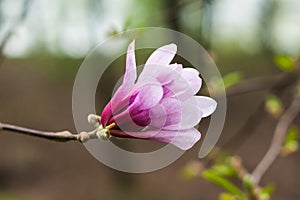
{"x":163,"y":74}
{"x":177,"y":67}
{"x":172,"y":114}
{"x":163,"y":55}
{"x":160,"y":57}
{"x":106,"y":114}
{"x":168,"y":112}
{"x":148,"y":96}
{"x":130,"y":74}
{"x":140,"y":118}
{"x":206,"y":104}
{"x":192,"y":77}
{"x":127,"y":86}
{"x":118,"y":102}
{"x":136,"y":114}
{"x":187,"y":85}
{"x":183,"y":139}
{"x":190,"y":115}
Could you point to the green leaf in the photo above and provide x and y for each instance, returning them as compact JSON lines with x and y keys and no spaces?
{"x":222,"y":182}
{"x":273,"y":105}
{"x":285,"y":63}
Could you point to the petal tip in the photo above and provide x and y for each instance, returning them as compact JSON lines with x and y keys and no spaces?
{"x":192,"y":142}
{"x":209,"y":105}
{"x":171,"y":47}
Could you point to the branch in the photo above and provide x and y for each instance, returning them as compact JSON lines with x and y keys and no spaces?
{"x":261,"y":84}
{"x":279,"y":136}
{"x":99,"y":132}
{"x":62,"y":136}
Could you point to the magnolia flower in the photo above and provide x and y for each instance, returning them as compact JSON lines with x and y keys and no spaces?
{"x":160,"y":104}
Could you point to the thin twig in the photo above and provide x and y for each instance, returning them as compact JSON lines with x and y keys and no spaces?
{"x":277,"y":84}
{"x":62,"y":136}
{"x":279,"y":135}
{"x":272,"y":84}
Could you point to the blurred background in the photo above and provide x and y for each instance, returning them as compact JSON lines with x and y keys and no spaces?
{"x":42,"y":45}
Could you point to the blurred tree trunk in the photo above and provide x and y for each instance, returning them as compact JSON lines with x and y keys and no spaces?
{"x":172,"y":14}
{"x":206,"y":24}
{"x":268,"y":12}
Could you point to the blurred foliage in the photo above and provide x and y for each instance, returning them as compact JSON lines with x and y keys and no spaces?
{"x":219,"y":180}
{"x":231,"y":176}
{"x":291,"y":143}
{"x":266,"y":191}
{"x":192,"y":170}
{"x":221,"y":174}
{"x":285,"y":63}
{"x":224,"y":170}
{"x":273,"y":105}
{"x":219,"y":24}
{"x":232,"y":78}
{"x":4,"y":196}
{"x":228,"y":80}
{"x":228,"y":196}
{"x":9,"y":196}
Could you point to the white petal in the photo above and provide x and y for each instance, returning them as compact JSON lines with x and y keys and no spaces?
{"x":191,"y":115}
{"x":163,"y":55}
{"x":160,"y":57}
{"x":207,"y":105}
{"x":191,"y":76}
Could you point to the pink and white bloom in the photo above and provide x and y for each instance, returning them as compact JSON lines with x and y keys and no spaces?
{"x":160,"y":104}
